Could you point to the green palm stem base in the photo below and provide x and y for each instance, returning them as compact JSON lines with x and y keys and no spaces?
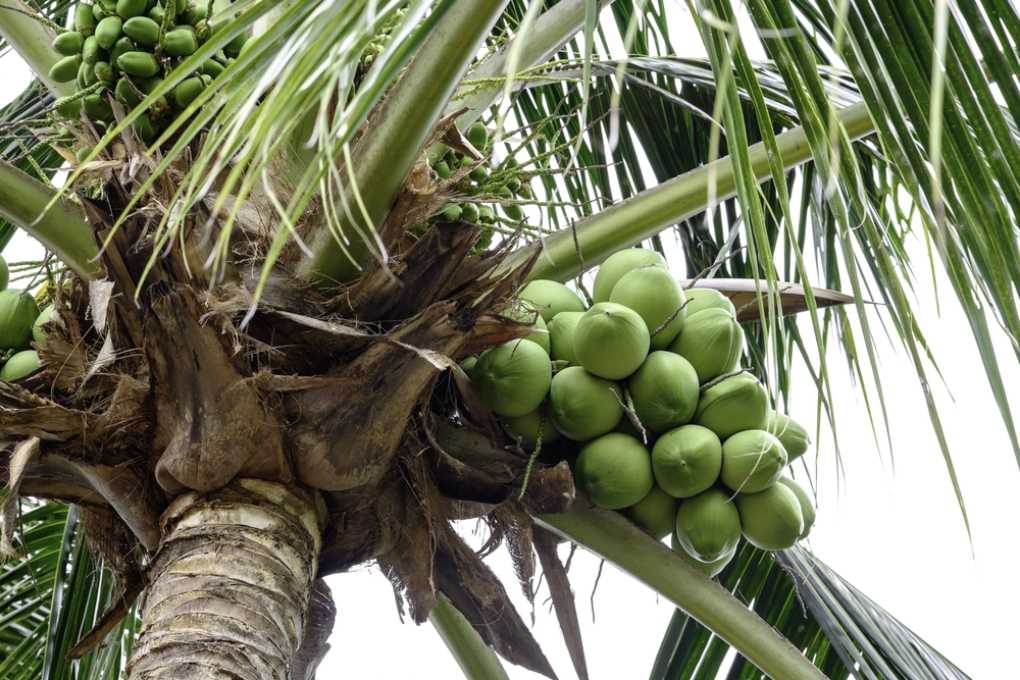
{"x":475,"y":658}
{"x":638,"y":218}
{"x":62,"y":229}
{"x":619,"y":541}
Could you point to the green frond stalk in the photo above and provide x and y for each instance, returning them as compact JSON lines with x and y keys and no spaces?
{"x":385,"y":156}
{"x":631,"y":221}
{"x":620,"y":542}
{"x":474,"y":657}
{"x":62,"y":229}
{"x":32,"y":40}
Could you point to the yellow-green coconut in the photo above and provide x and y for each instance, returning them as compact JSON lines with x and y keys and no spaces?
{"x":18,"y":312}
{"x":618,"y":264}
{"x":792,"y":434}
{"x":611,"y":341}
{"x":712,"y":342}
{"x":752,"y":461}
{"x":582,"y":405}
{"x":665,"y":391}
{"x":512,"y":379}
{"x":709,"y":569}
{"x":561,"y":336}
{"x":687,"y":460}
{"x":652,"y":292}
{"x":708,"y":298}
{"x":20,"y":365}
{"x":656,"y":512}
{"x":708,"y":525}
{"x":614,"y":471}
{"x":529,"y":426}
{"x":807,"y":505}
{"x":735,"y":403}
{"x":551,"y":298}
{"x":771,"y":519}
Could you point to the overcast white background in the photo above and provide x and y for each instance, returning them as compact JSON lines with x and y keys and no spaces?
{"x":894,"y":533}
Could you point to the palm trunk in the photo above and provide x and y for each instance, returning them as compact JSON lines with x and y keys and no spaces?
{"x":231,"y":584}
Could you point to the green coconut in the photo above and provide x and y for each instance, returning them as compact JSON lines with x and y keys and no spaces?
{"x":561,"y":336}
{"x":708,"y":525}
{"x":733,"y":404}
{"x":792,"y":434}
{"x":771,"y":519}
{"x":526,"y":427}
{"x":611,"y":341}
{"x":18,"y":312}
{"x":512,"y":379}
{"x":708,"y":298}
{"x":20,"y":365}
{"x":468,"y":365}
{"x":551,"y":298}
{"x":656,"y":512}
{"x":687,"y":460}
{"x":752,"y":461}
{"x":531,"y":317}
{"x":618,"y":264}
{"x":665,"y":391}
{"x":807,"y":505}
{"x":614,"y":471}
{"x":652,"y":292}
{"x":5,"y":274}
{"x":712,"y":341}
{"x":582,"y":405}
{"x":709,"y":569}
{"x":44,"y":316}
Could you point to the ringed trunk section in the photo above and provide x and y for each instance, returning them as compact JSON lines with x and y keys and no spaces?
{"x":230,"y":584}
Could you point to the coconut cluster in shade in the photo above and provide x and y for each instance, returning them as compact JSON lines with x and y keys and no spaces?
{"x":20,"y":323}
{"x":644,"y":395}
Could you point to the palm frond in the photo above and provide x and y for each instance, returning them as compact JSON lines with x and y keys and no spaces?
{"x":836,"y":626}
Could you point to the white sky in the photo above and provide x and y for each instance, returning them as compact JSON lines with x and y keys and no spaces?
{"x":898,"y":537}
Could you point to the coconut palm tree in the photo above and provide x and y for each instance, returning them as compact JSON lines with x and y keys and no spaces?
{"x":251,"y":379}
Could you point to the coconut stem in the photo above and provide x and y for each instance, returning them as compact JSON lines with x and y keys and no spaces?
{"x":670,"y":319}
{"x":538,"y":449}
{"x":723,"y":377}
{"x":628,"y":408}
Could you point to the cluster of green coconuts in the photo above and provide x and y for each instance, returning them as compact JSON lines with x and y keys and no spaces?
{"x":20,"y":324}
{"x":506,"y":183}
{"x":708,"y":466}
{"x":122,"y":49}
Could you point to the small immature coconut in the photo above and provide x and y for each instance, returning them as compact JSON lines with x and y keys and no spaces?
{"x":527,"y":427}
{"x":735,"y":403}
{"x":752,"y":460}
{"x":20,"y":365}
{"x":614,"y":471}
{"x":709,"y":569}
{"x":656,"y":512}
{"x":618,"y":264}
{"x":37,"y":333}
{"x":807,"y":506}
{"x":551,"y":298}
{"x":468,"y":365}
{"x":582,"y":405}
{"x":712,"y":341}
{"x":687,"y":460}
{"x":18,"y":312}
{"x":512,"y":379}
{"x":665,"y":391}
{"x":561,"y":336}
{"x":652,"y":292}
{"x":771,"y":518}
{"x":708,"y":298}
{"x":611,"y":341}
{"x":524,"y":314}
{"x":708,"y":525}
{"x":792,"y":434}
